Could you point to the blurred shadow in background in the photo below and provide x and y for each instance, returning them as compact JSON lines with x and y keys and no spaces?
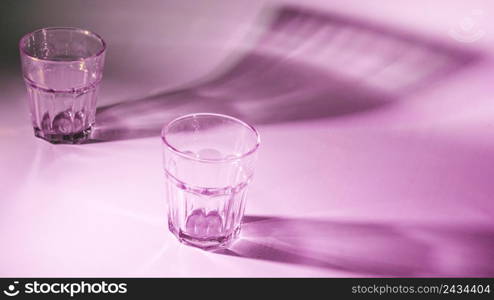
{"x":307,"y":65}
{"x":384,"y":249}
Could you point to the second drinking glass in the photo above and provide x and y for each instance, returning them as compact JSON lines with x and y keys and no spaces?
{"x":209,"y":162}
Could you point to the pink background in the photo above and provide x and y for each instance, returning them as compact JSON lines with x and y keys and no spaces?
{"x":377,"y":126}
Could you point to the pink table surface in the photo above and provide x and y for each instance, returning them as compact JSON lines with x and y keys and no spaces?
{"x":398,"y":186}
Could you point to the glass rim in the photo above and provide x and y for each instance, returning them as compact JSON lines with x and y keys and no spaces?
{"x":76,"y":29}
{"x":221,"y":116}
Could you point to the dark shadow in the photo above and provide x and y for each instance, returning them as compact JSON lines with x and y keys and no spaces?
{"x":307,"y":65}
{"x":379,"y":249}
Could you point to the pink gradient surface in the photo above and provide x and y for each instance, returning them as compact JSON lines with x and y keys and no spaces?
{"x":361,"y":172}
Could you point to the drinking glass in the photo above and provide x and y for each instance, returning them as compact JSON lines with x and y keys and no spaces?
{"x":208,"y":162}
{"x":62,"y":69}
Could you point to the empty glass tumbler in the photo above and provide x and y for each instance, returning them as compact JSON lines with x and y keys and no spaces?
{"x":209,"y":162}
{"x":62,"y":69}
